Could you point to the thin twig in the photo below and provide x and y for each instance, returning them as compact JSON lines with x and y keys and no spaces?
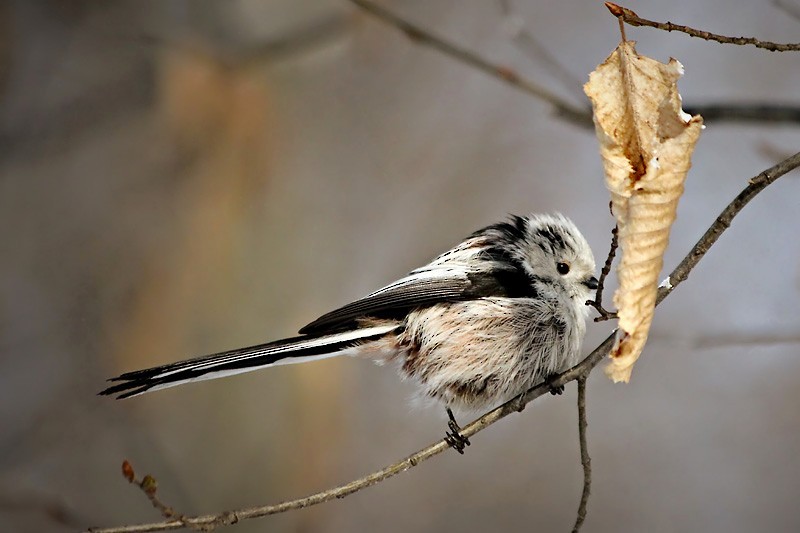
{"x":579,"y":115}
{"x":586,"y":461}
{"x":149,"y":486}
{"x":629,"y":17}
{"x":597,"y":303}
{"x":582,"y":369}
{"x":736,"y":339}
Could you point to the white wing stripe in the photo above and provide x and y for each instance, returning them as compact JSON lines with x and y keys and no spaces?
{"x":300,"y":345}
{"x":233,"y":372}
{"x":416,"y":276}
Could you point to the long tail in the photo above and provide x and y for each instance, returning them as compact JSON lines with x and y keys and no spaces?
{"x":286,"y":351}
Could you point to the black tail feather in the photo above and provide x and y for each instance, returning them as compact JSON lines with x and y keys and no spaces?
{"x":234,"y":361}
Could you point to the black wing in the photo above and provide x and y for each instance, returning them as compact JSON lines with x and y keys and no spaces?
{"x":423,"y":288}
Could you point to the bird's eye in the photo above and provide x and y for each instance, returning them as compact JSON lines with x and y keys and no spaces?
{"x":563,"y":268}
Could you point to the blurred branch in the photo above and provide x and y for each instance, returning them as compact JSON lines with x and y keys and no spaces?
{"x":94,"y":109}
{"x":736,"y":339}
{"x":53,"y":508}
{"x":579,"y":371}
{"x":307,"y":37}
{"x":530,"y":45}
{"x":772,"y":152}
{"x":586,"y":461}
{"x":578,"y":115}
{"x":754,"y":112}
{"x":790,"y":9}
{"x":629,"y":17}
{"x":246,"y":54}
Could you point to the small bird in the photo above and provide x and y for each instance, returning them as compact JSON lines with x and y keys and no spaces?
{"x":501,"y":312}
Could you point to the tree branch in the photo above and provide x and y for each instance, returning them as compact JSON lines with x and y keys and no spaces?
{"x":149,"y":487}
{"x":578,"y":115}
{"x":629,"y":17}
{"x":581,"y":370}
{"x":586,"y":461}
{"x":597,"y":303}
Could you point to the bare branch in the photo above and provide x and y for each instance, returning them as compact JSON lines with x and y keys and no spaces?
{"x":629,"y":17}
{"x":149,"y":486}
{"x":723,"y":222}
{"x":597,"y":303}
{"x":581,"y":370}
{"x":578,"y":115}
{"x":586,"y":461}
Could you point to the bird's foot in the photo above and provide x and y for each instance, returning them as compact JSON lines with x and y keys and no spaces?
{"x":554,"y":390}
{"x":521,"y":402}
{"x":454,"y":438}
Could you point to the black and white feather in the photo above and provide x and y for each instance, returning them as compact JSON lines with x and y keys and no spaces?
{"x":481,"y":323}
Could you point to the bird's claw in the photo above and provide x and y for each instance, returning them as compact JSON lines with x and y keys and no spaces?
{"x":554,"y":390}
{"x":454,"y":438}
{"x":521,"y":402}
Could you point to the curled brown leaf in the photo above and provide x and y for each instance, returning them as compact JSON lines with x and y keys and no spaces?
{"x":646,"y":143}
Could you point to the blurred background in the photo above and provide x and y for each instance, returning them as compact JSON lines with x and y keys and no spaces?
{"x":179,"y":177}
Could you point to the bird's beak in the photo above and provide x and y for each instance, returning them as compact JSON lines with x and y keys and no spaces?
{"x":591,"y":283}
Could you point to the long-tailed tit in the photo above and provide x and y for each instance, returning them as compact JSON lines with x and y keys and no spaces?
{"x":482,"y":323}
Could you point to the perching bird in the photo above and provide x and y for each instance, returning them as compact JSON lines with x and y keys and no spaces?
{"x":502,"y":311}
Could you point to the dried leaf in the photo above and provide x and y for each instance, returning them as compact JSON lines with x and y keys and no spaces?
{"x":646,"y":143}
